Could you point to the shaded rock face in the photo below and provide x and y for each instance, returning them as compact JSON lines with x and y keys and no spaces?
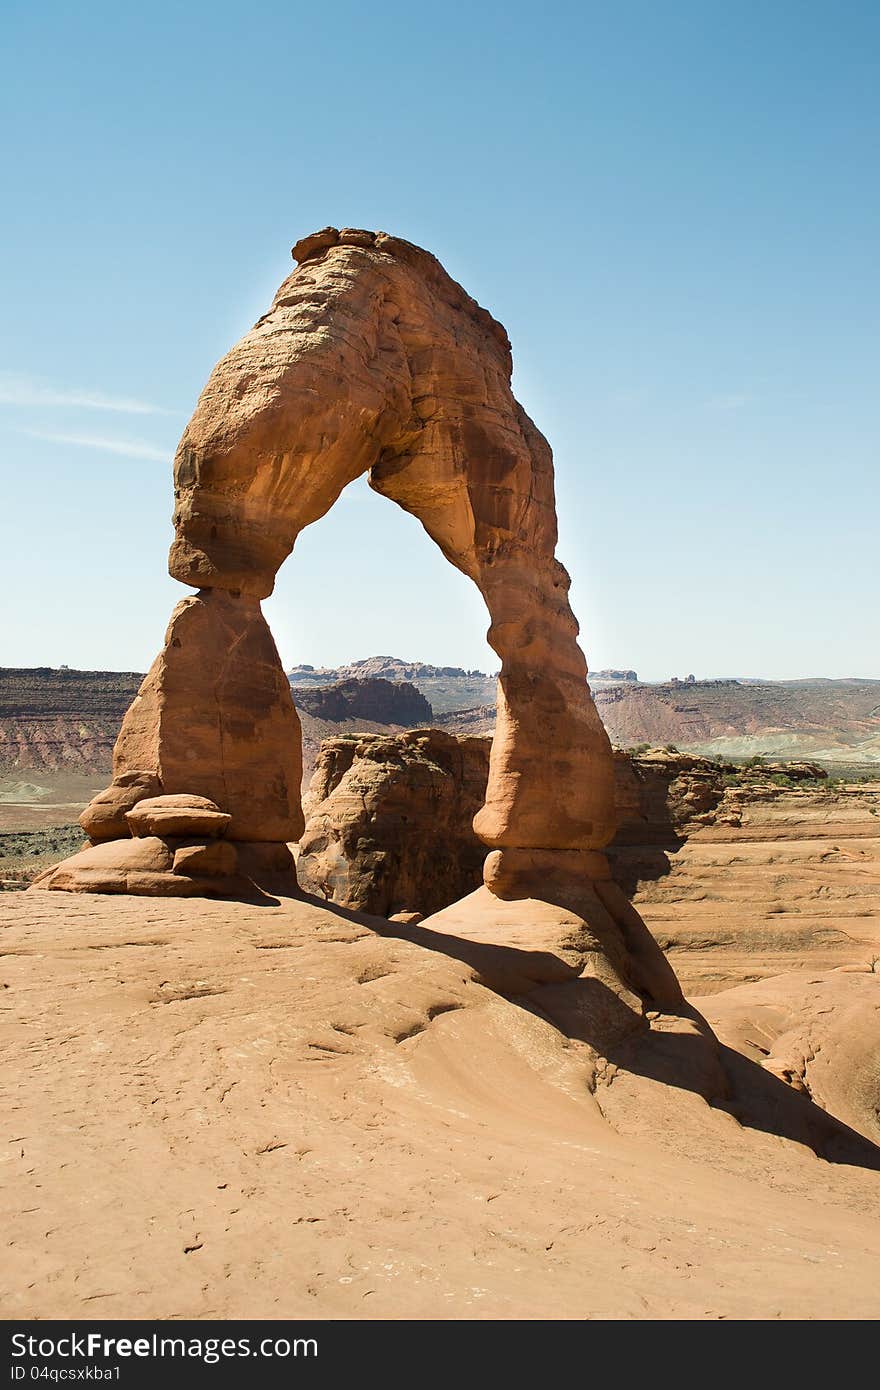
{"x":389,"y":826}
{"x":383,"y":701}
{"x":661,"y":796}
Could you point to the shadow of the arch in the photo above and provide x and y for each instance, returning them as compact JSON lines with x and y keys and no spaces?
{"x":585,"y":1010}
{"x":634,"y":865}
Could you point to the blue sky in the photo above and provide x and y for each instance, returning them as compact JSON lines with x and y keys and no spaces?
{"x":673,"y":208}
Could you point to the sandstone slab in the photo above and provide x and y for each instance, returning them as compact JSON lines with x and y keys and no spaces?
{"x":105,"y":816}
{"x":178,"y":816}
{"x":211,"y":858}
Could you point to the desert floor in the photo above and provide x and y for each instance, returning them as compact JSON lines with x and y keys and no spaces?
{"x":232,"y":1110}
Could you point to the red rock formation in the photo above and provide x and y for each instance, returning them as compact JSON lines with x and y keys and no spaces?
{"x":389,"y":826}
{"x":371,"y":359}
{"x":215,"y":717}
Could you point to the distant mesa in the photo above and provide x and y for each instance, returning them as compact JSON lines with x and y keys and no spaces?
{"x":62,"y":719}
{"x":67,"y":721}
{"x":395,"y":668}
{"x":614,"y":675}
{"x":446,"y":688}
{"x":391,"y":668}
{"x":373,"y":698}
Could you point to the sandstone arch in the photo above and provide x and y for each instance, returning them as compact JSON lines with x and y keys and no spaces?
{"x":372,"y":360}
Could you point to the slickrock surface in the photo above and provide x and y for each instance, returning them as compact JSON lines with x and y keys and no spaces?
{"x":776,"y":878}
{"x":819,"y":1031}
{"x":220,"y":1110}
{"x":390,"y":821}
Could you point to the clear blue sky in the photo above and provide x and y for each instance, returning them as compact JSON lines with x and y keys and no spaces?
{"x":672,"y":207}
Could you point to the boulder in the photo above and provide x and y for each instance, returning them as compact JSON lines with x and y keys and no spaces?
{"x":178,"y":816}
{"x":210,"y":857}
{"x":105,"y":816}
{"x":390,"y":826}
{"x":105,"y":867}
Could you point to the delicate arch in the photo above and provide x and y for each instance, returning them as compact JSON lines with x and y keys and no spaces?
{"x":371,"y":359}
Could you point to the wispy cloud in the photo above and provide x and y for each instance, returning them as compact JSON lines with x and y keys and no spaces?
{"x":22,"y":390}
{"x":126,"y":448}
